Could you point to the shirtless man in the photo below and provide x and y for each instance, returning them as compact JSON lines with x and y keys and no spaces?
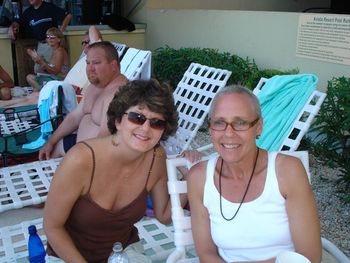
{"x":90,"y":117}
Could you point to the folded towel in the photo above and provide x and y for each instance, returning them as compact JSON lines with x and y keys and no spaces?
{"x":38,"y":143}
{"x":281,"y":100}
{"x":47,"y":105}
{"x":46,"y":127}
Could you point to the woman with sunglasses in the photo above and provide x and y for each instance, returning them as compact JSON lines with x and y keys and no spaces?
{"x":248,"y":204}
{"x":58,"y":66}
{"x":99,"y":190}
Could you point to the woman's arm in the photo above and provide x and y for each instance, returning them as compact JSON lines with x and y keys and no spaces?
{"x":71,"y":180}
{"x":94,"y":34}
{"x":301,"y":207}
{"x":65,"y":22}
{"x":159,"y":191}
{"x":5,"y":77}
{"x":57,"y":61}
{"x":205,"y":247}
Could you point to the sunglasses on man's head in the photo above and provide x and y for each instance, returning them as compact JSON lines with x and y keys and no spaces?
{"x":50,"y":37}
{"x":85,"y":42}
{"x":140,"y":119}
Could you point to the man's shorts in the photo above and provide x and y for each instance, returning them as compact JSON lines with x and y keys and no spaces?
{"x":69,"y":141}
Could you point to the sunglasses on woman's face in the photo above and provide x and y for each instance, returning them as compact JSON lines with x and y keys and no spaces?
{"x":140,"y":119}
{"x":85,"y":42}
{"x":50,"y":37}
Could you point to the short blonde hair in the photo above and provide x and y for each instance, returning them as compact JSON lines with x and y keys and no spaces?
{"x":236,"y":89}
{"x":57,"y":33}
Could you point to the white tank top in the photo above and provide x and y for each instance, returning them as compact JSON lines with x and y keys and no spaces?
{"x":259,"y":231}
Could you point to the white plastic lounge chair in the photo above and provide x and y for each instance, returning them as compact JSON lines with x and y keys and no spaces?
{"x":26,"y":184}
{"x":193,"y":96}
{"x":301,"y":124}
{"x":121,"y":48}
{"x":136,"y":64}
{"x":183,"y":239}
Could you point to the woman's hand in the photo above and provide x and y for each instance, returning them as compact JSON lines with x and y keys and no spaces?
{"x":32,"y":53}
{"x":191,"y":155}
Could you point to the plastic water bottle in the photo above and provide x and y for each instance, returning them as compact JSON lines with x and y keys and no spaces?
{"x":118,"y":255}
{"x":35,"y":246}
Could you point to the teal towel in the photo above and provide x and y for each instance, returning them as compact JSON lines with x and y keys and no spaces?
{"x":281,"y":100}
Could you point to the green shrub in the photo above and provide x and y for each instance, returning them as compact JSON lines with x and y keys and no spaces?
{"x":332,"y":129}
{"x":169,"y":64}
{"x":256,"y":75}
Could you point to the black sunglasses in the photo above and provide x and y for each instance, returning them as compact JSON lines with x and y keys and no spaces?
{"x":85,"y":42}
{"x":140,"y":119}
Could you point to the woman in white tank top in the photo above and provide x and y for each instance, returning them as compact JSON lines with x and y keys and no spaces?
{"x":247,"y":204}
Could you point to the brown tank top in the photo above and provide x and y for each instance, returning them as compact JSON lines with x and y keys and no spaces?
{"x":94,"y":229}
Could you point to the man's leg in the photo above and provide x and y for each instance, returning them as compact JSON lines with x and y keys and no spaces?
{"x":32,"y":82}
{"x":58,"y":151}
{"x":63,"y":146}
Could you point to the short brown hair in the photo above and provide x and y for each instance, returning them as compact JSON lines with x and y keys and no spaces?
{"x":150,"y":93}
{"x":110,"y":51}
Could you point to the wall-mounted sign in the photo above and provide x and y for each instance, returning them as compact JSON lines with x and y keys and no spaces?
{"x":324,"y":37}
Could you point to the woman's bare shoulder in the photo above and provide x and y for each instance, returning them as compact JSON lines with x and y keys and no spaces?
{"x":197,"y":171}
{"x":78,"y":158}
{"x":291,"y":173}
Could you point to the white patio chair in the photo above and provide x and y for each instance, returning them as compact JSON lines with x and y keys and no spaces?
{"x":156,"y":239}
{"x":121,"y":48}
{"x":301,"y":124}
{"x":26,"y":184}
{"x":183,"y":239}
{"x":136,"y":64}
{"x":193,"y":96}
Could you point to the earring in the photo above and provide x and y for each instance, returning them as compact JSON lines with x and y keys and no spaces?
{"x":258,"y":137}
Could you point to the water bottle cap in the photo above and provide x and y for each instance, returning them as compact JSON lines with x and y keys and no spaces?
{"x":32,"y":229}
{"x":117,"y":247}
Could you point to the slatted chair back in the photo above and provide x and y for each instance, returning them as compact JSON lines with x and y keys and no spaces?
{"x":121,"y":48}
{"x":136,"y":64}
{"x":303,"y":121}
{"x":26,"y":184}
{"x":193,"y":96}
